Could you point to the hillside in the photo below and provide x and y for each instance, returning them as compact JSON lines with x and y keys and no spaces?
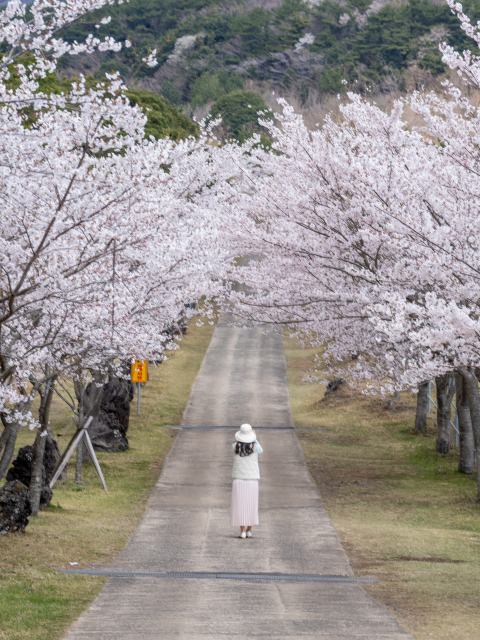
{"x":164,"y":120}
{"x":208,"y":48}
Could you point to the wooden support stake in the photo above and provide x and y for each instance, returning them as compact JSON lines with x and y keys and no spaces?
{"x":62,"y":457}
{"x":72,"y":445}
{"x":91,"y":451}
{"x":68,"y":452}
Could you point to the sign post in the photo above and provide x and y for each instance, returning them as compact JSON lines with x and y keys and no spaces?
{"x":139,"y":375}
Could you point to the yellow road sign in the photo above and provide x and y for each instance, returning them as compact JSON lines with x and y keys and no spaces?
{"x":139,"y":371}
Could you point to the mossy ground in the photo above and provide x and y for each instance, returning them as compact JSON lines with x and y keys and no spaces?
{"x":403,"y":512}
{"x":85,"y":524}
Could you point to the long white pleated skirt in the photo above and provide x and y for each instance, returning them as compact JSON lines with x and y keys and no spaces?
{"x":244,"y":508}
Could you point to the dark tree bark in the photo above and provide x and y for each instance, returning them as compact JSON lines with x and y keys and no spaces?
{"x":445,"y":390}
{"x":471,"y":387}
{"x":4,"y":436}
{"x":9,"y":448}
{"x":465,"y":438}
{"x":79,"y":462}
{"x":422,"y":408}
{"x":37,"y":479}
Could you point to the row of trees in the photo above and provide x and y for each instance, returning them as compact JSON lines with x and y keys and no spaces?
{"x":369,"y":229}
{"x":105,"y":232}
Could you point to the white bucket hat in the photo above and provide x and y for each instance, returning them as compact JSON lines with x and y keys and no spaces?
{"x":245,"y":434}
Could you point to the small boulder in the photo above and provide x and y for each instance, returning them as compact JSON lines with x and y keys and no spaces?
{"x":14,"y":507}
{"x":333,"y":385}
{"x":46,"y":496}
{"x":116,"y":399}
{"x":108,"y":432}
{"x":51,"y":457}
{"x":21,"y":470}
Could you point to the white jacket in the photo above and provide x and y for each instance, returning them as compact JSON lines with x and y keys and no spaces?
{"x":246,"y":467}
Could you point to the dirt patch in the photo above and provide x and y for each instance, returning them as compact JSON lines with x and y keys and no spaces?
{"x":344,"y":395}
{"x":388,"y":405}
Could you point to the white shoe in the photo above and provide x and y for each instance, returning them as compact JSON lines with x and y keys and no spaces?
{"x":249,"y":534}
{"x":243,"y":534}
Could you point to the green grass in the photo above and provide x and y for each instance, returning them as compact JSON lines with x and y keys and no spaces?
{"x":403,"y":512}
{"x":84,"y":523}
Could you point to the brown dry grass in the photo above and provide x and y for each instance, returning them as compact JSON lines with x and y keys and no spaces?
{"x":403,"y":512}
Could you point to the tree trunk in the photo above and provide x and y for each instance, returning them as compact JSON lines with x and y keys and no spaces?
{"x":79,"y":462}
{"x":445,"y":390}
{"x":471,"y":387}
{"x":465,"y":437}
{"x":422,"y":408}
{"x":9,"y":449}
{"x":37,"y":477}
{"x":4,"y":436}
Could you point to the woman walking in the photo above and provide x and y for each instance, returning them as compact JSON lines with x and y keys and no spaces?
{"x":245,"y":474}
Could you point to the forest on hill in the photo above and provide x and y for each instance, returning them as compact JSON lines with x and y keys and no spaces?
{"x":210,"y":48}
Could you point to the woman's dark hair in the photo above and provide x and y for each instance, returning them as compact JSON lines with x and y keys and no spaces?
{"x":244,"y":448}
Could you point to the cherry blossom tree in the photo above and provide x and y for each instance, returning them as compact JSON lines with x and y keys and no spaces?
{"x":331,"y":236}
{"x":105,"y":235}
{"x":368,"y":236}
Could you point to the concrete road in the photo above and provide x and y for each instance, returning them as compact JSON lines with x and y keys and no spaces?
{"x":186,"y":526}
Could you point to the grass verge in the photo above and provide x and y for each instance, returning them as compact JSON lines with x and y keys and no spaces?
{"x":403,"y":512}
{"x":85,"y":524}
